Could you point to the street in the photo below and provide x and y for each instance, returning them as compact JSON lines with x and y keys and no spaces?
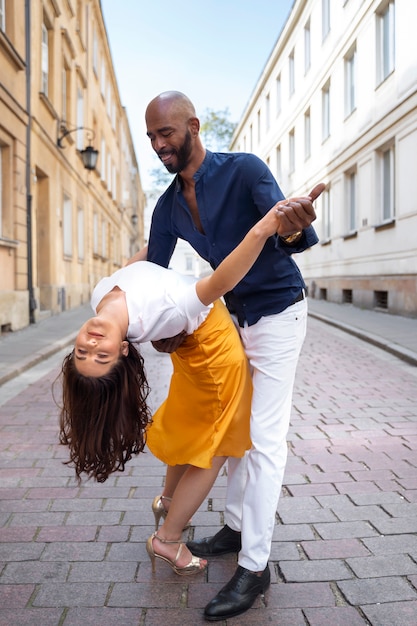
{"x":345,"y":543}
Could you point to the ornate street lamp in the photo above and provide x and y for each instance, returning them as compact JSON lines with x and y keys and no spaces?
{"x":89,"y":155}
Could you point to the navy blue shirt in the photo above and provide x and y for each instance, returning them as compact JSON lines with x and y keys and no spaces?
{"x":233,"y":191}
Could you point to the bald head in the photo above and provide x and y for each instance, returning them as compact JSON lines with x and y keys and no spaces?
{"x":172,"y":102}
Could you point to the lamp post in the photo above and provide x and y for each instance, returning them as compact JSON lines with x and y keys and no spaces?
{"x":89,"y":155}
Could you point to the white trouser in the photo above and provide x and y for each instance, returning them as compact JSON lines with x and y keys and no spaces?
{"x":254,"y":483}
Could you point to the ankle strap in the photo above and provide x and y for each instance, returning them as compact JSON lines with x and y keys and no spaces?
{"x":156,"y":536}
{"x":166,"y":498}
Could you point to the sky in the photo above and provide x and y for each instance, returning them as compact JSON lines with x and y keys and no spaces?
{"x":214,"y":51}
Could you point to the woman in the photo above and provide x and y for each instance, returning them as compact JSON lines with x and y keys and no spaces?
{"x":105,"y":419}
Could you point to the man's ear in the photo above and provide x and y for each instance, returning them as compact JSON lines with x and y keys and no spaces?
{"x":194,"y":126}
{"x":125,"y":348}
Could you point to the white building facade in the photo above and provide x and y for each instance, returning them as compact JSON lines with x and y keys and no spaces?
{"x":337,"y":102}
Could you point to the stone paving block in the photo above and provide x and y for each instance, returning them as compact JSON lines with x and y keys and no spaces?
{"x":300,"y":595}
{"x":174,"y":617}
{"x":113,"y":534}
{"x":16,"y":551}
{"x":30,"y":617}
{"x":292,"y":532}
{"x":314,"y":571}
{"x":308,"y":516}
{"x":67,"y":533}
{"x":349,"y":513}
{"x":105,"y":617}
{"x":344,"y":530}
{"x":334,"y":549}
{"x":74,"y":504}
{"x":288,"y":503}
{"x":391,"y":614}
{"x":397,"y":526}
{"x":14,"y":596}
{"x":33,"y":572}
{"x":150,"y":595}
{"x":362,"y":487}
{"x":17,"y":534}
{"x":103,"y":572}
{"x":285,"y":550}
{"x":127,"y":551}
{"x":394,"y":544}
{"x":401,"y":509}
{"x":318,"y":489}
{"x":337,"y":616}
{"x":93,"y":518}
{"x":374,"y":590}
{"x":71,"y":595}
{"x":381,"y":498}
{"x":74,"y":551}
{"x":377,"y":566}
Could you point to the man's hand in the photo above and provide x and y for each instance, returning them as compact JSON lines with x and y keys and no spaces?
{"x":298,"y":213}
{"x":171,"y":344}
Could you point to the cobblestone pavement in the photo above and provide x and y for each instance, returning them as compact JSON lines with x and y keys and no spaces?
{"x":345,"y":544}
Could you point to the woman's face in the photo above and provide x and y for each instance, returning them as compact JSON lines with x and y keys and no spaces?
{"x":98,"y":347}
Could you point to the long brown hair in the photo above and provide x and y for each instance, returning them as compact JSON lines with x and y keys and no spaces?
{"x":103,"y":420}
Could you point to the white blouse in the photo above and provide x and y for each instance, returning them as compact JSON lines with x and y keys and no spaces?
{"x":160,"y":302}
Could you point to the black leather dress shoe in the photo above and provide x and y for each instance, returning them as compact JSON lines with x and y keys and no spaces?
{"x":223,"y":542}
{"x":238,"y":595}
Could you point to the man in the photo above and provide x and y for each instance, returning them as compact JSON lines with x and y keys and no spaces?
{"x":212,"y":203}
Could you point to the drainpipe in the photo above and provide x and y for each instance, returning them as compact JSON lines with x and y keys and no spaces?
{"x":32,"y":300}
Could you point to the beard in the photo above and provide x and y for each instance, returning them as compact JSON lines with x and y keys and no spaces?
{"x":183,"y":155}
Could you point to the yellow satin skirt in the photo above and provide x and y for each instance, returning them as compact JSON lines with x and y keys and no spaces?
{"x":207,"y":410}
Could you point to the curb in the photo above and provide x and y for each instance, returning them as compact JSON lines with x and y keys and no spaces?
{"x":392,"y":348}
{"x":34,"y":359}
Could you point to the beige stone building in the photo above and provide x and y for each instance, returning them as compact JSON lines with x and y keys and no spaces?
{"x":62,"y":226}
{"x":337,"y":102}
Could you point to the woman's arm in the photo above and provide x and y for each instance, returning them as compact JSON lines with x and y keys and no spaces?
{"x":237,"y":264}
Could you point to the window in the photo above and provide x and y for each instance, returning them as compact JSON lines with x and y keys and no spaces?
{"x":1,"y":191}
{"x":45,"y":60}
{"x":267,"y":112}
{"x":351,"y":201}
{"x":325,"y":18}
{"x":66,"y":90}
{"x":104,"y":239}
{"x":95,"y":233}
{"x":327,"y":231}
{"x":325,"y":97}
{"x":387,"y":177}
{"x":103,"y":160}
{"x":95,"y":50}
{"x":307,"y":47}
{"x":279,"y":165}
{"x":80,"y":118}
{"x":291,"y":75}
{"x":250,"y":138}
{"x":278,"y":93}
{"x":385,"y":41}
{"x":80,"y":233}
{"x":2,"y":15}
{"x":350,"y":82}
{"x":67,"y":226}
{"x":307,"y":134}
{"x":258,"y":126}
{"x":291,"y":150}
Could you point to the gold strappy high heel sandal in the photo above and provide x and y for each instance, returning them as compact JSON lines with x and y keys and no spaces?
{"x":160,"y":511}
{"x":195,"y":566}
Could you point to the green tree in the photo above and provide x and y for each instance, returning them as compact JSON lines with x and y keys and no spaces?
{"x":216,"y":129}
